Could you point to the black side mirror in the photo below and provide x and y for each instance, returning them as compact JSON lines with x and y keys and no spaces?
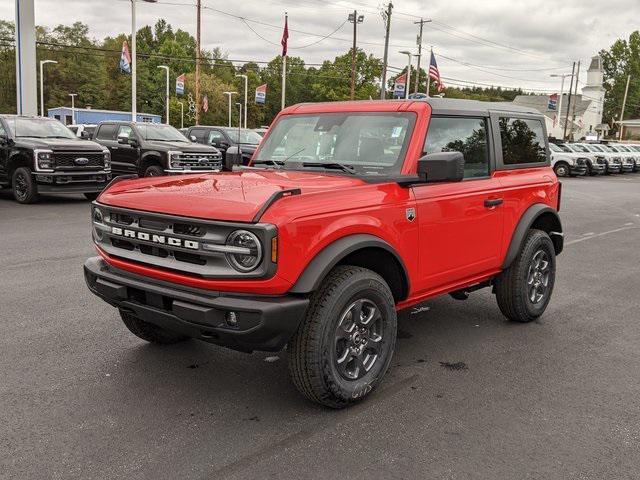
{"x":123,"y":140}
{"x":4,"y":140}
{"x":441,"y":167}
{"x":232,"y":157}
{"x":192,"y":138}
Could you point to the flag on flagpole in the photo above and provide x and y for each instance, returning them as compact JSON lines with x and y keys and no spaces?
{"x":261,"y":93}
{"x":434,"y":73}
{"x":205,"y":104}
{"x":399,"y":86}
{"x":125,"y":59}
{"x":285,"y":36}
{"x":180,"y":84}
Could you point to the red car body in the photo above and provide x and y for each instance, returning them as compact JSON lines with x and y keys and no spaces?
{"x":454,"y":242}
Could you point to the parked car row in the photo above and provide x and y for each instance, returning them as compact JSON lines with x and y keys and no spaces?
{"x":582,"y":158}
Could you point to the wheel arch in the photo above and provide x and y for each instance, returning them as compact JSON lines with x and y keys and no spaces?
{"x":148,"y":159}
{"x":18,"y":159}
{"x":539,"y":216}
{"x":361,"y":250}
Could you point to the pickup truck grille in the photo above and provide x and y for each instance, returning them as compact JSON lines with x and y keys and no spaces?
{"x":69,"y":160}
{"x":185,"y":245}
{"x":197,"y":161}
{"x":581,"y":161}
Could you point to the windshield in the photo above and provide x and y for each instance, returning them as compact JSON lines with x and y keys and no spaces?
{"x":555,"y":148}
{"x":577,"y":148}
{"x":38,"y":128}
{"x":593,"y":148}
{"x":163,"y":133}
{"x":370,"y":144}
{"x":247,"y":137}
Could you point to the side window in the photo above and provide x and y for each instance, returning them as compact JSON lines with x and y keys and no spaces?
{"x":3,"y":132}
{"x":215,"y":136}
{"x":461,"y":134}
{"x":125,"y":131}
{"x":522,"y":141}
{"x":106,"y":131}
{"x":199,"y":133}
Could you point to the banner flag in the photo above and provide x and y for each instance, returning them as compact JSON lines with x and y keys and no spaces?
{"x":125,"y":59}
{"x":399,"y":86}
{"x":180,"y":84}
{"x":261,"y":94}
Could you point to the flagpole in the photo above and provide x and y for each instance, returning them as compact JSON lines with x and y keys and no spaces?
{"x":134,"y":65}
{"x":284,"y":64}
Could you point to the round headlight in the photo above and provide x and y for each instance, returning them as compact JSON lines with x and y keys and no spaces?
{"x":248,"y":252}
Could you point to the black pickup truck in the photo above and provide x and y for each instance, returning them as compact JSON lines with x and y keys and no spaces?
{"x":151,"y":149}
{"x":41,"y":155}
{"x":224,"y":138}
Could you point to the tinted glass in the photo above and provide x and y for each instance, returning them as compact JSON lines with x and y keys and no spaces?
{"x":161,"y":133}
{"x":107,"y":132}
{"x":465,"y":135}
{"x":522,"y":141}
{"x":199,"y":133}
{"x":125,"y":131}
{"x":373,"y":144}
{"x":248,"y":137}
{"x":215,"y":136}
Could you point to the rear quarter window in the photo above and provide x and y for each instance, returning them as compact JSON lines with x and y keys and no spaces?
{"x":523,"y":141}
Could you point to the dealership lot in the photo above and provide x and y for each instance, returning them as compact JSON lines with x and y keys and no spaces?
{"x":468,"y":396}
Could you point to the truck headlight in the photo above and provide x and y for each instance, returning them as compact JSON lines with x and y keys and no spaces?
{"x":45,"y":160}
{"x":107,"y":159}
{"x":248,"y":253}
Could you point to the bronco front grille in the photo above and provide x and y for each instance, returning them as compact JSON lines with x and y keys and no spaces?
{"x":78,"y":160}
{"x":181,"y":244}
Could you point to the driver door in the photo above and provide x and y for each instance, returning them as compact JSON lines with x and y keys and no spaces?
{"x":126,"y":155}
{"x":460,"y":223}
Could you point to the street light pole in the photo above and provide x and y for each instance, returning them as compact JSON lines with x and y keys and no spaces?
{"x":624,"y":104}
{"x":246,"y":86}
{"x":134,"y":61}
{"x":230,"y":94}
{"x":419,"y":41}
{"x":355,"y":19}
{"x":406,"y":87}
{"x":73,"y":107}
{"x":164,"y":67}
{"x":42,"y":62}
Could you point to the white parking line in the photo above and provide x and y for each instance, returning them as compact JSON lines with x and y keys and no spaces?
{"x":596,"y":235}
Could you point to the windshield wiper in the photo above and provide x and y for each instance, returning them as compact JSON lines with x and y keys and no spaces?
{"x":278,"y":163}
{"x":332,"y":165}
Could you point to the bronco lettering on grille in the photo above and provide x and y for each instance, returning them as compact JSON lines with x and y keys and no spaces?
{"x":153,"y":238}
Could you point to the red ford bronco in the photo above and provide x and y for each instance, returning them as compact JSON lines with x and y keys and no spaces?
{"x":348,"y":213}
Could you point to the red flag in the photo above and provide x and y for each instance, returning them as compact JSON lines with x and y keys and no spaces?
{"x":285,"y":37}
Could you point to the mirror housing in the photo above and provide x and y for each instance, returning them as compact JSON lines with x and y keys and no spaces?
{"x":232,"y":157}
{"x":4,"y":140}
{"x":85,"y":135}
{"x":441,"y":167}
{"x":123,"y":140}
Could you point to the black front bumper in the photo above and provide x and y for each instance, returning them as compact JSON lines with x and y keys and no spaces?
{"x":577,"y":170}
{"x":262,"y":322}
{"x":72,"y":181}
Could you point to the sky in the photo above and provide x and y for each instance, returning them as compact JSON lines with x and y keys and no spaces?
{"x":511,"y":43}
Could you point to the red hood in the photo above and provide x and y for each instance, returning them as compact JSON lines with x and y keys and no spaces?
{"x":236,"y":196}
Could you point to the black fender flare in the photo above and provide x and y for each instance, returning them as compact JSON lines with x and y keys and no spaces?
{"x":528,"y":218}
{"x":313,"y":274}
{"x":155,"y":155}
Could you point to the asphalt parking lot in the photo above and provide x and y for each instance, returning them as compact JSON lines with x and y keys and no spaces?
{"x":469,"y":395}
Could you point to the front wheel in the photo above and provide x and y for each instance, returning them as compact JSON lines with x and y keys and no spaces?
{"x":524,"y":289}
{"x":562,"y":170}
{"x":344,"y":345}
{"x":153,"y":171}
{"x":25,"y":189}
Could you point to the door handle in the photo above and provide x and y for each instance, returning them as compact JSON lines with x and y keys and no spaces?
{"x":492,"y":202}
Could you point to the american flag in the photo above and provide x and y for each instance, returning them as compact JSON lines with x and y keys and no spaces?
{"x":434,"y":73}
{"x":285,"y":37}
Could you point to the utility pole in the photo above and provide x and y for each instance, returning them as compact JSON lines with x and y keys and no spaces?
{"x":42,"y":63}
{"x":166,"y":96}
{"x":198,"y":52}
{"x":419,"y":41}
{"x":566,"y":120}
{"x":355,"y":19}
{"x":387,"y":20}
{"x":624,"y":104}
{"x":575,"y":94}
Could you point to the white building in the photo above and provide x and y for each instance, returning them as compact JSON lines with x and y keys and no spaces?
{"x":588,"y":107}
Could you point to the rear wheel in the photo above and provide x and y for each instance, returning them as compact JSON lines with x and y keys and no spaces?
{"x":25,"y":189}
{"x":153,"y":171}
{"x":524,"y":289}
{"x":343,"y":347}
{"x":149,"y":332}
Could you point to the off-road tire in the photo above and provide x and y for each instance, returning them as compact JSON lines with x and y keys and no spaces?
{"x":147,"y":331}
{"x":511,"y":286}
{"x":91,"y":196}
{"x":311,"y":351}
{"x":25,"y":189}
{"x":153,"y":171}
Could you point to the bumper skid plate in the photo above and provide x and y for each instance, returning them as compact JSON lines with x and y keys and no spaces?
{"x":240,"y":322}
